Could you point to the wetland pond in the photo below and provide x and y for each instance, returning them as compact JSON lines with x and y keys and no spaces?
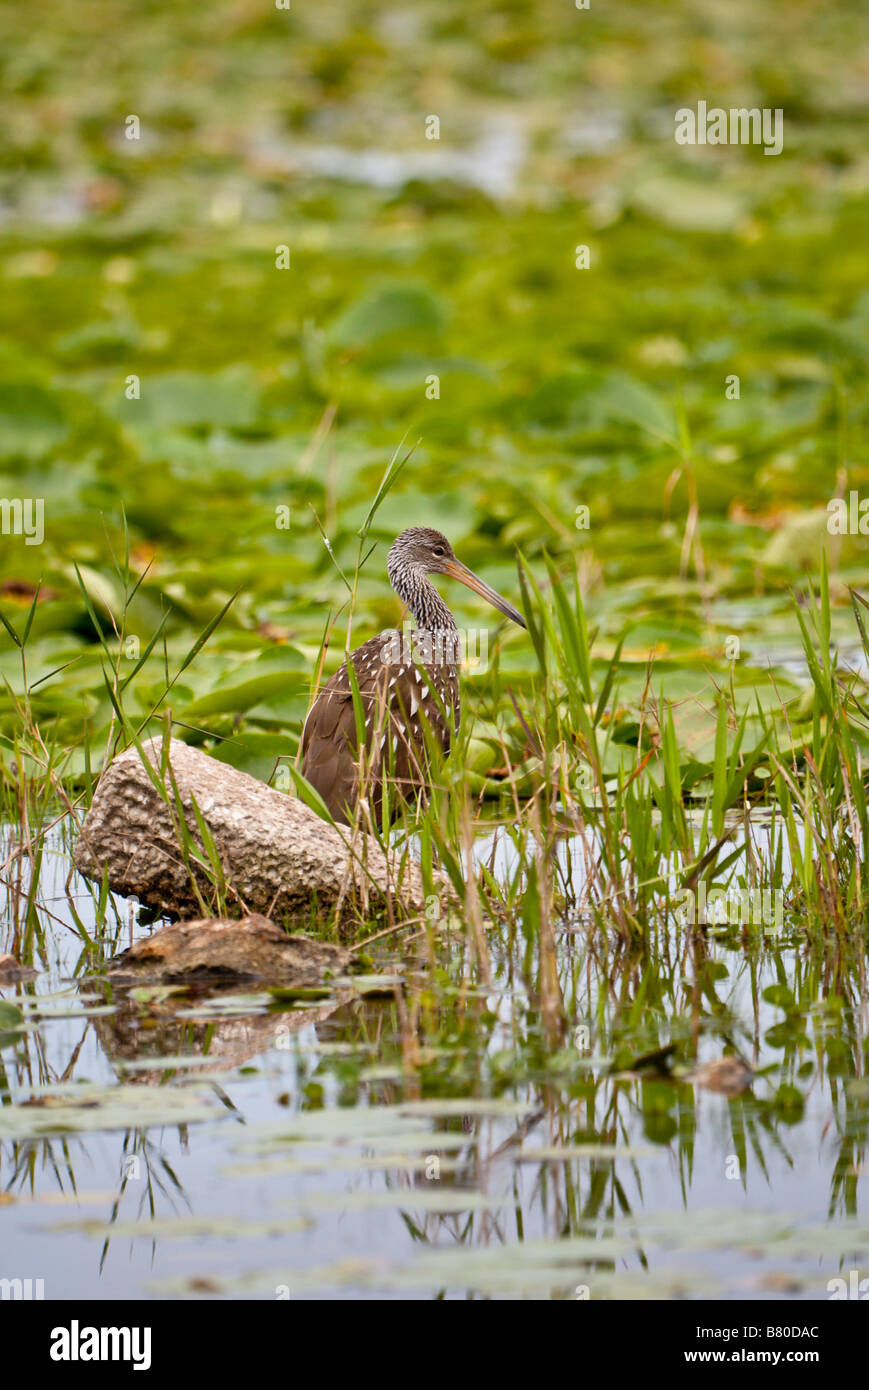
{"x":249,"y":254}
{"x":403,"y":1133}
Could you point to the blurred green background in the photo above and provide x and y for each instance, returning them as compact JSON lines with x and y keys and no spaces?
{"x":413,"y":258}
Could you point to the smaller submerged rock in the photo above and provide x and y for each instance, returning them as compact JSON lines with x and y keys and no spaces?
{"x":244,"y":949}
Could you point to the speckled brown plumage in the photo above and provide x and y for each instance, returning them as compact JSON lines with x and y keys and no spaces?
{"x":396,"y":700}
{"x":409,"y":690}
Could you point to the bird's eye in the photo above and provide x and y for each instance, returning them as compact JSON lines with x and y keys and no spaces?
{"x":438,"y":550}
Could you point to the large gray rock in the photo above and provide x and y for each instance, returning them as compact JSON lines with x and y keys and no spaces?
{"x":278,"y":857}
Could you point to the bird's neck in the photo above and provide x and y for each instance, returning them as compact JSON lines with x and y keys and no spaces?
{"x":425,"y":603}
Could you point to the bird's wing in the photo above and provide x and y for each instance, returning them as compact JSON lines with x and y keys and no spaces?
{"x":393,"y":695}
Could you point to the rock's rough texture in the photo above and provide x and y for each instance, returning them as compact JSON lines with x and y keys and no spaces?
{"x":224,"y":948}
{"x":277,"y":856}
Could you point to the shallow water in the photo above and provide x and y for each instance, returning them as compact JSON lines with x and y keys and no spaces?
{"x":224,"y":1145}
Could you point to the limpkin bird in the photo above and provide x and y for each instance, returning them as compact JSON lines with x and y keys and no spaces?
{"x":408,"y":687}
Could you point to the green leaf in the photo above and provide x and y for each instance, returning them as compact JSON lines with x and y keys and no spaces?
{"x":310,"y":795}
{"x":387,"y":310}
{"x":224,"y":400}
{"x":31,"y":420}
{"x":234,"y":699}
{"x":11,"y":1017}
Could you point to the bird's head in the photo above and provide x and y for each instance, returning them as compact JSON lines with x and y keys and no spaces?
{"x":421,"y":551}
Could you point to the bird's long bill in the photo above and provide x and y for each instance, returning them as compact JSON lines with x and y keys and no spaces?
{"x":456,"y":570}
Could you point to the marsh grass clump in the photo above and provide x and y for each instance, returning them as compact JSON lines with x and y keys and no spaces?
{"x":625,"y":810}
